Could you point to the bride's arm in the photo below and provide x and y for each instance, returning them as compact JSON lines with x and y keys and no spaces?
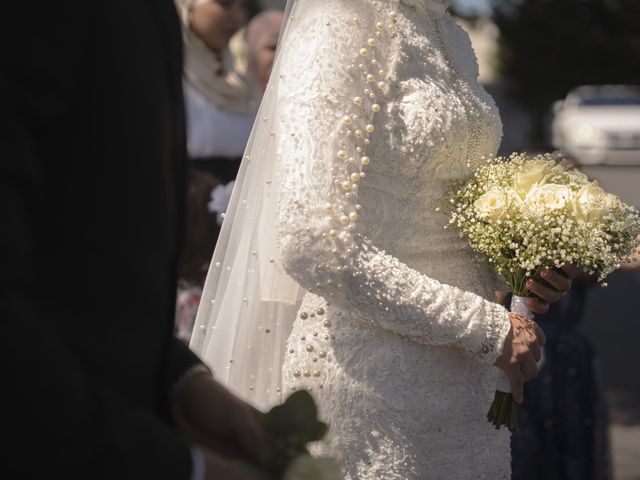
{"x":325,"y":128}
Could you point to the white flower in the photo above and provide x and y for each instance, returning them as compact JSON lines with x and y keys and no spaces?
{"x":306,"y":467}
{"x":495,"y":203}
{"x":532,"y":173}
{"x":550,"y":196}
{"x":591,"y":202}
{"x":577,"y":176}
{"x":220,"y":197}
{"x":611,"y":201}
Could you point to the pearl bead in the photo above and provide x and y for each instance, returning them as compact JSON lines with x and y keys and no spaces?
{"x":353,"y":216}
{"x":359,"y":134}
{"x":365,"y":160}
{"x":291,"y":350}
{"x":364,"y":52}
{"x":307,"y":373}
{"x":345,"y":185}
{"x":370,"y":78}
{"x":296,"y":373}
{"x":342,"y":154}
{"x":380,"y":26}
{"x":333,"y":233}
{"x":316,"y":373}
{"x":320,"y":311}
{"x":375,"y":107}
{"x":304,"y":315}
{"x":355,"y":177}
{"x":329,"y":207}
{"x":393,"y":16}
{"x":344,"y":219}
{"x":382,"y":85}
{"x":326,"y":323}
{"x":309,"y":348}
{"x":347,"y":120}
{"x":358,"y":101}
{"x":371,"y":42}
{"x":370,"y":128}
{"x":358,"y":206}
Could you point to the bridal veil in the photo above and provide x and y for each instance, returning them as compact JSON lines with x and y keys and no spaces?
{"x":249,"y":303}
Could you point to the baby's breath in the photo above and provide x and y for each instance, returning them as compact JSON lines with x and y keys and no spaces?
{"x":525,"y":214}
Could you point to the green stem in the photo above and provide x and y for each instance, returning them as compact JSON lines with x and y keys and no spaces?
{"x":503,"y":412}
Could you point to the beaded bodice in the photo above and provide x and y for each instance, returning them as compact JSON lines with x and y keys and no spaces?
{"x":380,"y":108}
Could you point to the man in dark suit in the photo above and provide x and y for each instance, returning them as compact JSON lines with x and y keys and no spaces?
{"x":92,"y":149}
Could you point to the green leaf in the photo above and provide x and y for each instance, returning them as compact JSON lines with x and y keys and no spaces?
{"x":289,"y":428}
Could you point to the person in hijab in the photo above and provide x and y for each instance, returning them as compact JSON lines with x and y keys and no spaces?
{"x":262,"y":39}
{"x":219,"y":106}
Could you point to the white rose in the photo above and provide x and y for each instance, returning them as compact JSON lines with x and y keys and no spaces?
{"x":532,"y":173}
{"x":495,"y":203}
{"x":550,"y":196}
{"x":611,"y":201}
{"x":591,"y":202}
{"x":577,"y":176}
{"x":306,"y":467}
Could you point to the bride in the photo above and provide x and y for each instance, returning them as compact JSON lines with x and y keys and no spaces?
{"x":334,"y":272}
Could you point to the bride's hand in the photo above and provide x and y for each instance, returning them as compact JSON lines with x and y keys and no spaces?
{"x":521,"y":352}
{"x":556,"y":283}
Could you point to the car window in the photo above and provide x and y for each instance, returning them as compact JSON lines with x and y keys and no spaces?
{"x":604,"y":101}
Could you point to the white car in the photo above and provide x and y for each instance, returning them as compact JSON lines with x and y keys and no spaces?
{"x":599,"y":124}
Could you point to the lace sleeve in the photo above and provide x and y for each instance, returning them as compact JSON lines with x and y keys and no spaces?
{"x":329,"y":104}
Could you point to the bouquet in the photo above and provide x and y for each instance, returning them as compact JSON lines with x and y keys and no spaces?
{"x":289,"y":428}
{"x":526,"y":214}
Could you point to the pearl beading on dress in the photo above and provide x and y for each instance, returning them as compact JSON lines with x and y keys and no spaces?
{"x":387,"y":297}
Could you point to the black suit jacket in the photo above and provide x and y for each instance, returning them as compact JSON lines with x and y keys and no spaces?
{"x":92,"y":149}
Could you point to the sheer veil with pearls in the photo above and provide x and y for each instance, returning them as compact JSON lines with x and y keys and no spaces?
{"x":249,"y":303}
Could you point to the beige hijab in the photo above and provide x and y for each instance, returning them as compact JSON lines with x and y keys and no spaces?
{"x":228,"y":91}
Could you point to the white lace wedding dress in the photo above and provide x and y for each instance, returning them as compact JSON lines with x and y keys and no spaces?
{"x":379,"y":109}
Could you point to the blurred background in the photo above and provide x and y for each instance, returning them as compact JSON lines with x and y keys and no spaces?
{"x":565,"y":75}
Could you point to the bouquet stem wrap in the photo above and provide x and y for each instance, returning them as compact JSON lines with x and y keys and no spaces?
{"x":504,"y":409}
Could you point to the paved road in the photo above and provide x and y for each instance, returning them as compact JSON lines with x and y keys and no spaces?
{"x":613,"y":324}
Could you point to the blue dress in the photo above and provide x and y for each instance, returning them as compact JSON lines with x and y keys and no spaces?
{"x":563,"y":425}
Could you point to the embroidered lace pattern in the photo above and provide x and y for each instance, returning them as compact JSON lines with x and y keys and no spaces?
{"x":380,"y":109}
